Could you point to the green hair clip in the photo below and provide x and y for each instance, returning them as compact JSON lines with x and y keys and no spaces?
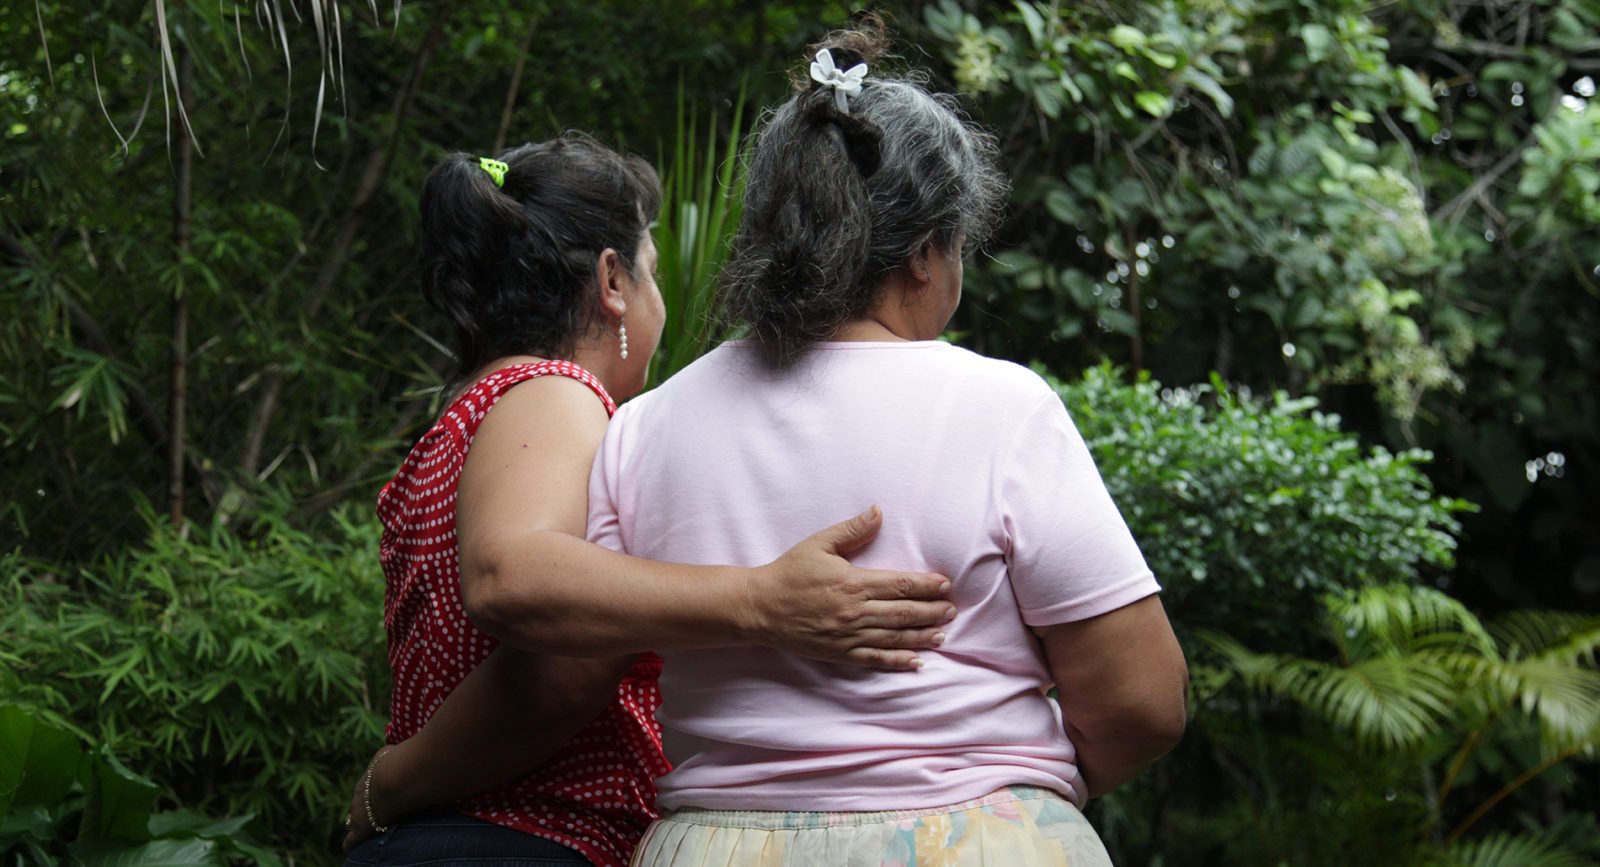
{"x":496,"y":170}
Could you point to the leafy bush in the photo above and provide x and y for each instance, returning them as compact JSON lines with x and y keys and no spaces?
{"x":51,"y":790}
{"x":1426,"y":725}
{"x":240,"y":672}
{"x":1249,"y":510}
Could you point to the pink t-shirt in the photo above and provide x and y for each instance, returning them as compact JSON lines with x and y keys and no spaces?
{"x":981,"y":476}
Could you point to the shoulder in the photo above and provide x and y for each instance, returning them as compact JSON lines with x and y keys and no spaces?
{"x":548,"y":401}
{"x":1004,"y":381}
{"x":705,"y":375}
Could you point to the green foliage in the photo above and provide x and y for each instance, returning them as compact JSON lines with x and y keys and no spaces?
{"x":61,"y":804}
{"x":703,"y":194}
{"x":1388,"y":206}
{"x":242,"y":672}
{"x":1248,"y":510}
{"x":1419,"y":701}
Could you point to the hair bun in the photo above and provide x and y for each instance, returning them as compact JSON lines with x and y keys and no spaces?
{"x":845,"y":57}
{"x":866,"y":41}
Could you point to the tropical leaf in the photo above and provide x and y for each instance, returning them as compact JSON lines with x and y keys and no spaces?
{"x":1387,"y":702}
{"x":1571,"y":635}
{"x":1400,"y":619}
{"x":701,"y":202}
{"x":1509,"y":850}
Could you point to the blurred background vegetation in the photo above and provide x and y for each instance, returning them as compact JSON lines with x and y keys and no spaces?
{"x":1358,"y":242}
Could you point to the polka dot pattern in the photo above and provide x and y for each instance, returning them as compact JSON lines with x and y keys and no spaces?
{"x":598,"y":794}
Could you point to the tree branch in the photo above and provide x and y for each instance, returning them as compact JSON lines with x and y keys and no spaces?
{"x":1481,"y":185}
{"x":516,"y":83}
{"x":371,"y":178}
{"x":146,"y":416}
{"x":1485,"y":48}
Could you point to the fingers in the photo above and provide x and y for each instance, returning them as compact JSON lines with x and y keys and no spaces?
{"x":847,"y":537}
{"x":904,"y":614}
{"x":883,"y":660}
{"x":901,"y":639}
{"x":884,"y":584}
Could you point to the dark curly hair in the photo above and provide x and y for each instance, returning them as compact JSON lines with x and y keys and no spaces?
{"x":835,"y":201}
{"x":511,"y":267}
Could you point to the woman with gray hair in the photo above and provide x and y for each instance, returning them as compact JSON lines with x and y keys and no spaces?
{"x":864,"y":191}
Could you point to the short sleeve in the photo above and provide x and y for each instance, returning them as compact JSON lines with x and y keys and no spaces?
{"x":605,"y":512}
{"x":1070,"y":554}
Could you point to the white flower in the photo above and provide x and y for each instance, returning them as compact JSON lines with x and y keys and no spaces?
{"x":845,"y":84}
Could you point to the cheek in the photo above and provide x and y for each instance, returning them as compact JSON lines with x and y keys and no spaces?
{"x":660,"y":311}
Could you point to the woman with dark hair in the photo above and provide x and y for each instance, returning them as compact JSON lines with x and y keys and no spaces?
{"x":543,"y":262}
{"x":863,"y":193}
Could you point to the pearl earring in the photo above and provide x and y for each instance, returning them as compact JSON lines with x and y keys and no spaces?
{"x":622,"y":334}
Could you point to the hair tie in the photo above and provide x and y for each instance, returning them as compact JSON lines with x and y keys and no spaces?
{"x":845,"y":84}
{"x":496,"y":169}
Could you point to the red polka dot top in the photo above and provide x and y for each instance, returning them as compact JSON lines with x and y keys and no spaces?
{"x":598,"y":795}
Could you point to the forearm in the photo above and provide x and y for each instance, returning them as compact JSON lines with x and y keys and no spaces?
{"x":549,"y":592}
{"x":1107,"y":762}
{"x":510,"y":715}
{"x":1123,"y":685}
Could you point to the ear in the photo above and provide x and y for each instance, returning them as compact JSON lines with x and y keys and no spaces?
{"x":611,"y":276}
{"x":917,"y":265}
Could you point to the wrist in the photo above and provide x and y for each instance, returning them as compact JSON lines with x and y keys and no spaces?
{"x":751,"y":622}
{"x":387,"y":797}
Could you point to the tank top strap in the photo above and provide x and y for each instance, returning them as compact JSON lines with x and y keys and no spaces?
{"x":487,"y":391}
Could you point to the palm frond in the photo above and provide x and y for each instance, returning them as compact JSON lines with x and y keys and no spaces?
{"x":1509,"y":850}
{"x":1563,"y":699}
{"x":1573,"y":636}
{"x":1401,"y":618}
{"x":1387,"y":702}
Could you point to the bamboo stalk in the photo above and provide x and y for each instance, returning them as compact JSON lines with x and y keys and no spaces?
{"x":516,"y":84}
{"x":178,"y":382}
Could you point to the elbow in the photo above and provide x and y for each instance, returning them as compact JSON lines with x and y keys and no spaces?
{"x":1141,"y":734}
{"x":1164,"y":720}
{"x":500,"y":606}
{"x":519,"y":608}
{"x":1147,"y":726}
{"x":1165,"y":730}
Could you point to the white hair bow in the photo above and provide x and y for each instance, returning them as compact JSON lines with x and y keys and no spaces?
{"x":845,"y":84}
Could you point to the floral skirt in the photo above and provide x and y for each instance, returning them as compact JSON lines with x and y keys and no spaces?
{"x":1020,"y":826}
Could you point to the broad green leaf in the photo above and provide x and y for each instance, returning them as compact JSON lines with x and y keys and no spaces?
{"x":1032,"y":20}
{"x":119,"y":803}
{"x":1318,"y":40}
{"x":1155,"y":104}
{"x":1064,"y":208}
{"x":1211,"y":88}
{"x":155,"y":853}
{"x":39,"y":763}
{"x":1416,"y":90}
{"x":1126,"y":37}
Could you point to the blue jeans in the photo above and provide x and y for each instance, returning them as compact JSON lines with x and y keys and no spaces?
{"x":447,"y":838}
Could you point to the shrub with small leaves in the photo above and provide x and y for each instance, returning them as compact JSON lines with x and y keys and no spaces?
{"x":245,"y":674}
{"x":1249,"y":510}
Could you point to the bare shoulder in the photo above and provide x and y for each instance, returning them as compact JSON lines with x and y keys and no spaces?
{"x":543,"y":411}
{"x":528,"y":467}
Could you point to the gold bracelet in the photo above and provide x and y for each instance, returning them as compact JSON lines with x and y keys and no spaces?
{"x":366,"y":791}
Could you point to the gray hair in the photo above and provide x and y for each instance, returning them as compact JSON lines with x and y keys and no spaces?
{"x":836,"y":201}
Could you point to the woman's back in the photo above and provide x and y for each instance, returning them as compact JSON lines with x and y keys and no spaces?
{"x":983,"y":479}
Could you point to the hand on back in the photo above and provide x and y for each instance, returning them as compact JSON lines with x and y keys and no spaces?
{"x":813,"y":603}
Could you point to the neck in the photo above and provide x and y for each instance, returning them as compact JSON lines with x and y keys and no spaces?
{"x":868,"y":328}
{"x":897,"y":314}
{"x":599,"y":356}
